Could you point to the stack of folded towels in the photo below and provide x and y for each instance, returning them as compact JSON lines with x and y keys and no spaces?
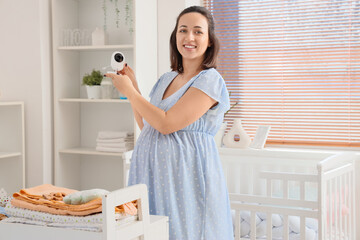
{"x":63,"y":201}
{"x":48,"y":205}
{"x":114,"y":141}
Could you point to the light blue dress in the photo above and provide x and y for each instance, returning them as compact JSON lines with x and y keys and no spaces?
{"x":182,"y":170}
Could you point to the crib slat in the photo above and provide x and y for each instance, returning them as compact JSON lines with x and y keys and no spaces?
{"x":353,"y":200}
{"x":342,"y":193}
{"x":352,"y":204}
{"x":286,"y":227}
{"x":331,"y":230}
{"x":321,"y":192}
{"x":268,"y":187}
{"x":302,"y":190}
{"x":285,"y":189}
{"x":326,"y":212}
{"x":347,"y":204}
{"x":237,"y":225}
{"x":302,"y":228}
{"x":336,"y":208}
{"x":253,"y":226}
{"x":269,"y":226}
{"x":348,"y":217}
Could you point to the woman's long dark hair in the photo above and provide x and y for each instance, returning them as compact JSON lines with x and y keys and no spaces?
{"x":210,"y":59}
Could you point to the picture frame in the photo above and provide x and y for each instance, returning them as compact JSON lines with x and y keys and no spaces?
{"x":260,"y":137}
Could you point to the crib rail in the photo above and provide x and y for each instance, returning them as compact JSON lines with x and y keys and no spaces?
{"x":118,"y":197}
{"x":337,"y":175}
{"x":284,"y":211}
{"x":273,"y":201}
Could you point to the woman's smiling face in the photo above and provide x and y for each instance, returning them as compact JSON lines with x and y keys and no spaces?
{"x":192,"y":36}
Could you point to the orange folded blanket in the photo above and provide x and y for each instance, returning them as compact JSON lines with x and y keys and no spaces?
{"x":48,"y":209}
{"x":37,"y":198}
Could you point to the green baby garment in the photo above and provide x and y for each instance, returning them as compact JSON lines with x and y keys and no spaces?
{"x":85,"y":196}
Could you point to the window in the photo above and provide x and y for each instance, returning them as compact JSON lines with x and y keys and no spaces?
{"x":293,"y":65}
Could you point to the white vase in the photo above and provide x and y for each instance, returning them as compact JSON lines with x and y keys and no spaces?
{"x":220,"y":134}
{"x":98,"y":37}
{"x":237,"y":130}
{"x":93,"y":92}
{"x":107,"y":88}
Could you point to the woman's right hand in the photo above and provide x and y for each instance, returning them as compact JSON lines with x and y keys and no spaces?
{"x":128,"y":71}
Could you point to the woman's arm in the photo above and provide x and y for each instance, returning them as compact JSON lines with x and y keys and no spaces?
{"x":191,"y":106}
{"x":138,"y":117}
{"x":130,"y":73}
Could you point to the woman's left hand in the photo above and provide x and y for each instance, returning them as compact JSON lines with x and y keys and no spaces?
{"x":122,"y":83}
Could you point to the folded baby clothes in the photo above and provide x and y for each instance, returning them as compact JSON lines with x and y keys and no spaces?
{"x":33,"y":199}
{"x":109,"y":149}
{"x":114,"y":134}
{"x":85,"y":196}
{"x":116,"y":145}
{"x":4,"y":200}
{"x":2,"y":217}
{"x":114,"y":140}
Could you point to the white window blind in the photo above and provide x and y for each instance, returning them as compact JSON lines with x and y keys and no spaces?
{"x":293,"y":65}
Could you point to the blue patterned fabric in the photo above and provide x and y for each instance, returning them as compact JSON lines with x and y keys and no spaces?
{"x":182,"y":170}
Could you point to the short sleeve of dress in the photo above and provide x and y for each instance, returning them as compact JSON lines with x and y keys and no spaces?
{"x":213,"y":85}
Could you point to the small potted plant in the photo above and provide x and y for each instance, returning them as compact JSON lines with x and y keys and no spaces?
{"x":92,"y":82}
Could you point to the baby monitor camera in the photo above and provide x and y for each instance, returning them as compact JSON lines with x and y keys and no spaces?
{"x":117,"y":61}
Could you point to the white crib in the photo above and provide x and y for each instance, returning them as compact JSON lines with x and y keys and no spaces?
{"x":294,"y":185}
{"x":147,"y":227}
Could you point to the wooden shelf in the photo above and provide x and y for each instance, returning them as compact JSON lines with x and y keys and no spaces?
{"x":9,"y":154}
{"x":11,"y":103}
{"x":85,"y":100}
{"x":12,"y":142}
{"x":89,"y":151}
{"x":95,"y":48}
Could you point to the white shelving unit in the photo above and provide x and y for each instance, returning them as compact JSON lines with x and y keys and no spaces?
{"x":100,"y":48}
{"x":12,"y":146}
{"x":78,"y":120}
{"x":93,"y":100}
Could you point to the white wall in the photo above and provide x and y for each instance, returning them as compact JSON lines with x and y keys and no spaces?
{"x":167,"y":13}
{"x":47,"y":93}
{"x":23,"y":78}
